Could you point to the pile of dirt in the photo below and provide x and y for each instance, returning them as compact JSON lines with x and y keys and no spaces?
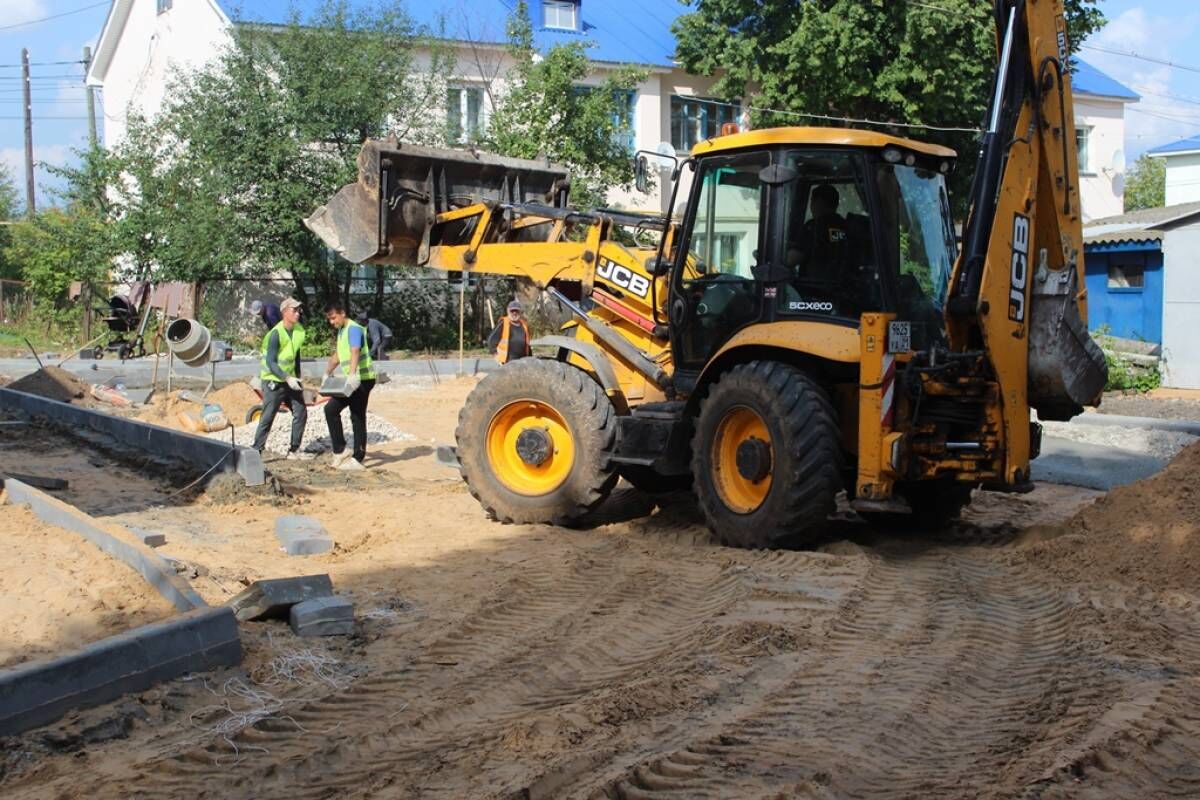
{"x":235,"y":400}
{"x":1145,"y":534}
{"x":53,"y":383}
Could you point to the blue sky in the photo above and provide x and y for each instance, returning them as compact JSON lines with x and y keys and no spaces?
{"x":1167,"y":30}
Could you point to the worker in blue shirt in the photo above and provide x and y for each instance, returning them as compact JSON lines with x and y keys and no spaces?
{"x":352,"y":354}
{"x":268,"y":312}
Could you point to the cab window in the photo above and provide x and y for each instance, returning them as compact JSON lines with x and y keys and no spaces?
{"x":828,"y":247}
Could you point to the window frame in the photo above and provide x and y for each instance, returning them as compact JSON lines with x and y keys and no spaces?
{"x":164,"y":6}
{"x":708,"y":131}
{"x":1083,"y":149}
{"x":1125,"y":260}
{"x":559,"y":6}
{"x":465,"y":134}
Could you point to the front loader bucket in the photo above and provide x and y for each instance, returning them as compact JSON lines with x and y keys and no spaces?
{"x":385,"y":217}
{"x":1067,"y":369}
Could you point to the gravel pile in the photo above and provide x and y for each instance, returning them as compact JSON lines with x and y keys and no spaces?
{"x":316,"y":432}
{"x":1160,"y":444}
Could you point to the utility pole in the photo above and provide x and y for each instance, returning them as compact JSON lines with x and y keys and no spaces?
{"x":29,"y":203}
{"x":91,"y":97}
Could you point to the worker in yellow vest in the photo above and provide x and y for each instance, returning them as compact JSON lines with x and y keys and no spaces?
{"x":352,"y":354}
{"x":509,"y":340}
{"x":280,"y":375}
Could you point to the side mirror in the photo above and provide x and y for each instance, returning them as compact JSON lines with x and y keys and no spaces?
{"x":639,"y":174}
{"x":657,"y":266}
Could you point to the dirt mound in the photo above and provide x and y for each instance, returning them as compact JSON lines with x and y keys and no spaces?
{"x":53,"y":383}
{"x":1145,"y":534}
{"x":235,"y":400}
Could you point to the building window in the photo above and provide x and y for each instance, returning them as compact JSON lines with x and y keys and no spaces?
{"x":560,"y":14}
{"x":624,"y":132}
{"x":1126,"y":271}
{"x":465,"y":115}
{"x":695,"y":119}
{"x":1083,"y":136}
{"x":164,"y":5}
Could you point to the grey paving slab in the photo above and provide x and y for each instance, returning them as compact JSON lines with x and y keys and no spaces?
{"x":302,"y":536}
{"x":271,"y":598}
{"x":322,"y":616}
{"x":40,"y":692}
{"x":1091,"y":466}
{"x":1152,"y":423}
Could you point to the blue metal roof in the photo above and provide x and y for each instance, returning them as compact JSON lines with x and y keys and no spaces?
{"x":621,"y":31}
{"x":1182,"y":146}
{"x":1089,"y":80}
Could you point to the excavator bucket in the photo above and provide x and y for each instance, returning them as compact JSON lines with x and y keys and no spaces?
{"x":1067,"y":369}
{"x":385,"y":217}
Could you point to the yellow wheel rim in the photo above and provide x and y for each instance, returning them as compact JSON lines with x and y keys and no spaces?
{"x":554,"y":462}
{"x":740,"y":494}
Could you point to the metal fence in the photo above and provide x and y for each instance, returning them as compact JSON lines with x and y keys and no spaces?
{"x":16,"y":302}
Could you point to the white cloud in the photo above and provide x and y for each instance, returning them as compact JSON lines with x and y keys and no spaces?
{"x":18,"y":11}
{"x":13,"y":159}
{"x":1160,"y":117}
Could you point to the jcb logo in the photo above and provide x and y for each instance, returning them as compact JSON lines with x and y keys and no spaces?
{"x":1020,"y":268}
{"x":623,"y":277}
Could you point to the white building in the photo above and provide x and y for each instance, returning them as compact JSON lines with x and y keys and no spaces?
{"x":1182,"y":161}
{"x":1100,"y":140}
{"x":144,"y":42}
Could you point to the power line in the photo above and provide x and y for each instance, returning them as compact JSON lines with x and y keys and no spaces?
{"x":83,"y":119}
{"x":40,"y":64}
{"x":1131,"y":54}
{"x":52,"y":16}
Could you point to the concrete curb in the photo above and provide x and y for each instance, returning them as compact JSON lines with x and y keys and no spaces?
{"x":199,"y":451}
{"x":151,"y":566}
{"x":39,"y":693}
{"x":1152,"y":423}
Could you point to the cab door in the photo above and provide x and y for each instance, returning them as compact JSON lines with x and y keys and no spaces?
{"x":713,"y":288}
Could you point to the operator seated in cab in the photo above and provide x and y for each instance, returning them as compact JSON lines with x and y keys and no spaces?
{"x":825,"y":240}
{"x":822,"y":258}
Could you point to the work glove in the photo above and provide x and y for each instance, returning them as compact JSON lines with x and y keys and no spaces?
{"x":295,"y":384}
{"x":352,"y":383}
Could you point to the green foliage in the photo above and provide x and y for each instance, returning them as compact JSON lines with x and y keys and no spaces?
{"x":1146,"y":184}
{"x":544,"y":112}
{"x":8,"y":210}
{"x":57,"y":247}
{"x":907,"y":62}
{"x":1123,"y":373}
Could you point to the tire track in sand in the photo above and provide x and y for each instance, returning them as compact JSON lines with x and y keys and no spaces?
{"x":553,"y":639}
{"x":935,"y":681}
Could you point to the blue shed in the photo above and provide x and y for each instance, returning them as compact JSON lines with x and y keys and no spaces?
{"x":1124,"y":261}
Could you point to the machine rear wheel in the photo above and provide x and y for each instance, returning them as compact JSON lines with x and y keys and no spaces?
{"x":766,"y":456}
{"x":535,"y":442}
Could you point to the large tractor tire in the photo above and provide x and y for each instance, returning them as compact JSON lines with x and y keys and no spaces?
{"x":535,"y":443}
{"x":766,"y":456}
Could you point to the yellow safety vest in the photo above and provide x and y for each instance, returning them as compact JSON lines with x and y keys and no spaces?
{"x":502,"y":347}
{"x":289,"y":348}
{"x":366,"y":370}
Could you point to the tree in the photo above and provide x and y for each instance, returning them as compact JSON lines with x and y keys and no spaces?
{"x":56,"y":247}
{"x":218,"y":185}
{"x":545,"y":111}
{"x":1146,"y":184}
{"x":8,"y":212}
{"x":923,"y":63}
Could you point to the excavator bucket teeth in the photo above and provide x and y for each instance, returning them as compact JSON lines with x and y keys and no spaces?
{"x":1067,"y":369}
{"x":385,"y":217}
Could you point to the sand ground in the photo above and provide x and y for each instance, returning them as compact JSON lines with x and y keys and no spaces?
{"x":633,"y":657}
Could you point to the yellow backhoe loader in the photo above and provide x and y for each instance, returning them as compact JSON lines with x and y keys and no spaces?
{"x":806,"y":326}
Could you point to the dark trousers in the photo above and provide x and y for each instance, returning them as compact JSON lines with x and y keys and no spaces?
{"x":357,"y":403}
{"x":273,"y":394}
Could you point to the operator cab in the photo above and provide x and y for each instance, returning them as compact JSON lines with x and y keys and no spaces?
{"x":810,"y":224}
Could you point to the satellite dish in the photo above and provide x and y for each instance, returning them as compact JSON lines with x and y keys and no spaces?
{"x":1117,"y":164}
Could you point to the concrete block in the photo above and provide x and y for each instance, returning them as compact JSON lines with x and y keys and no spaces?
{"x":40,"y":692}
{"x":273,"y":597}
{"x":198,"y":451}
{"x":302,"y":536}
{"x":38,"y":481}
{"x":154,"y":539}
{"x":323,"y":616}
